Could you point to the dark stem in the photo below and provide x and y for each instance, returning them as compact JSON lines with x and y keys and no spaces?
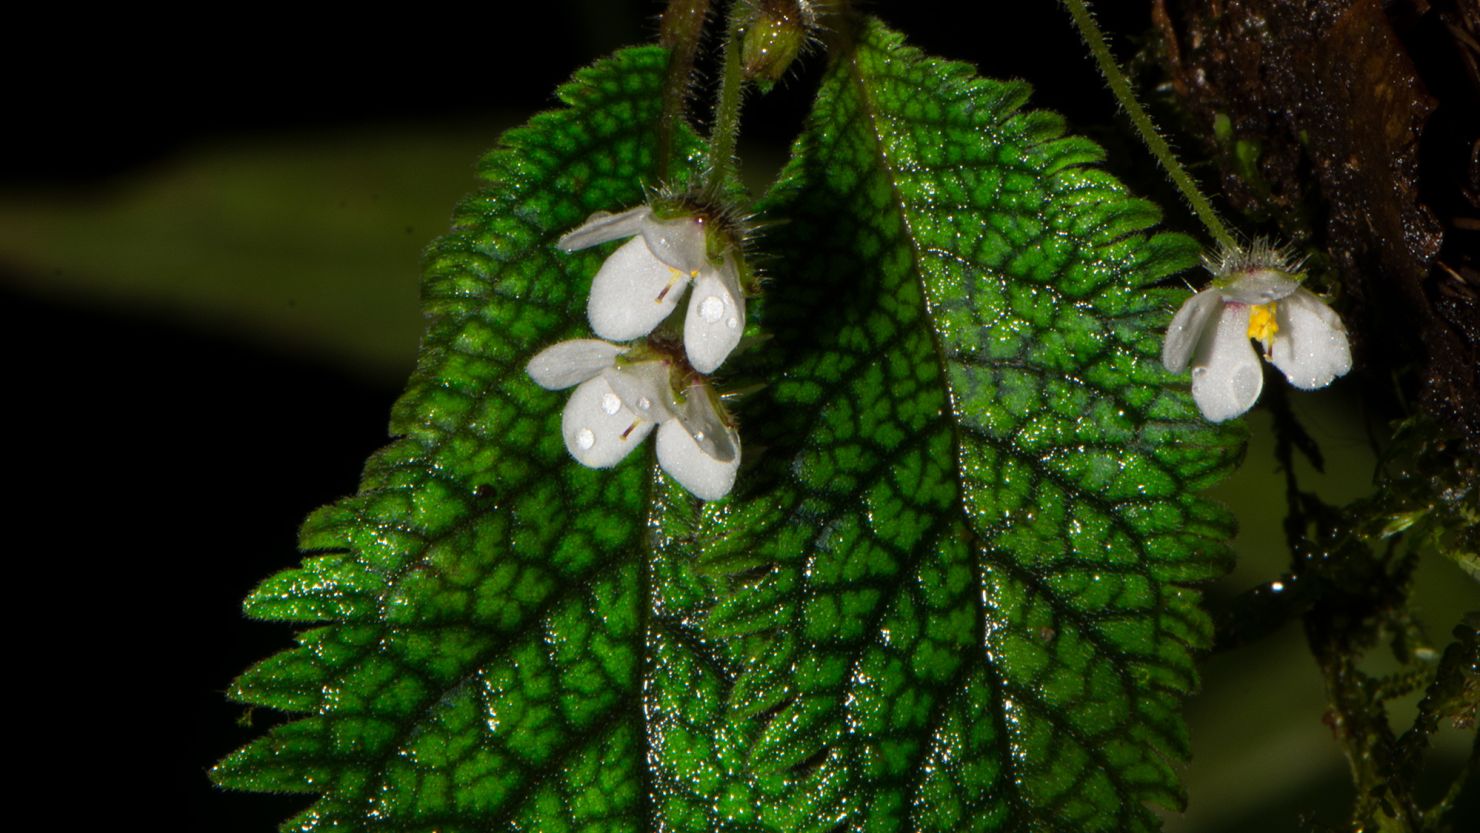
{"x":1358,"y":718}
{"x":1353,"y":592}
{"x":680,"y":31}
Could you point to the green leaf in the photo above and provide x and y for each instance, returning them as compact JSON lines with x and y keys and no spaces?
{"x":963,"y":589}
{"x":949,"y":592}
{"x":509,"y":642}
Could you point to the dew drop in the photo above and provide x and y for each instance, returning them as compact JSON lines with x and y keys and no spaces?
{"x":732,"y":323}
{"x":611,"y":403}
{"x":644,"y":403}
{"x":585,"y":438}
{"x":711,"y":309}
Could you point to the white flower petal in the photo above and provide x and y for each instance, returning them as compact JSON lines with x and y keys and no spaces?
{"x":716,"y":318}
{"x":599,"y":429}
{"x":700,"y":417}
{"x":571,"y":362}
{"x":705,"y":477}
{"x":603,"y":226}
{"x":632,"y":293}
{"x":1226,"y":375}
{"x":1187,"y":328}
{"x":644,"y":388}
{"x":1259,"y":286}
{"x":1310,"y":346}
{"x":680,"y":243}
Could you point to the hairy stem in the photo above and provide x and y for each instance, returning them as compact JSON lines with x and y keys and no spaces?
{"x":1121,"y":87}
{"x":680,"y":31}
{"x":726,"y":130}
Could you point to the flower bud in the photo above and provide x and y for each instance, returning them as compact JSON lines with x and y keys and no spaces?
{"x":774,"y":36}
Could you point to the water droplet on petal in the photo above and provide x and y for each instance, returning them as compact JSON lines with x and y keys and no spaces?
{"x":732,"y":323}
{"x":711,"y":309}
{"x":643,"y":403}
{"x":610,"y":403}
{"x":585,"y":438}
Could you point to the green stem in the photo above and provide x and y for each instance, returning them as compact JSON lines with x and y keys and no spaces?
{"x":726,"y":130}
{"x":1121,"y":87}
{"x":680,"y":31}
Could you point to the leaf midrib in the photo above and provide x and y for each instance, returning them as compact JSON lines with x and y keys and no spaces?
{"x":871,"y":111}
{"x":1021,"y":814}
{"x":1108,"y":508}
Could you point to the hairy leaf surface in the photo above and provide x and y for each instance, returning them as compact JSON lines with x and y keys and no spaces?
{"x":507,"y":647}
{"x":963,"y":583}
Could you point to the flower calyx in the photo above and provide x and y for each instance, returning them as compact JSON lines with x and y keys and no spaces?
{"x":1255,"y":294}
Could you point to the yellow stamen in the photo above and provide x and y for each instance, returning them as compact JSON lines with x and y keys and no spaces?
{"x":1262,"y":324}
{"x":674,"y":276}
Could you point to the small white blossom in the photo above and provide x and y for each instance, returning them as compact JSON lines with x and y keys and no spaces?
{"x":616,"y":404}
{"x":641,"y":283}
{"x":1300,"y":335}
{"x":697,"y":448}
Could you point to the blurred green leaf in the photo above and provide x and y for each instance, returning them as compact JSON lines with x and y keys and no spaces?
{"x":309,"y":241}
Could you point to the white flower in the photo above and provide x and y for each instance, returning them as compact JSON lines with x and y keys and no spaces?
{"x":617,"y":404}
{"x":697,"y":448}
{"x":641,"y":282}
{"x":1301,"y":336}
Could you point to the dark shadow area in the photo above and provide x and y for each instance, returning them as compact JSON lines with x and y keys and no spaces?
{"x":168,"y":470}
